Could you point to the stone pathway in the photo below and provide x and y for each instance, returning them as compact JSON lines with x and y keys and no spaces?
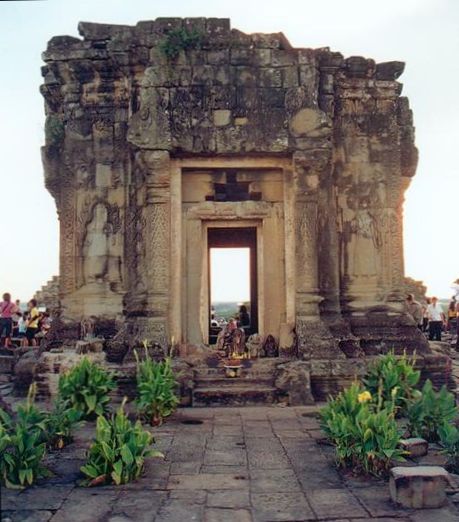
{"x":254,"y":464}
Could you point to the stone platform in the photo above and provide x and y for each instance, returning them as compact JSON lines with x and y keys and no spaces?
{"x":202,"y":379}
{"x":255,"y":464}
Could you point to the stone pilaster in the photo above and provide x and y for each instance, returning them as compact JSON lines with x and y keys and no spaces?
{"x":148,"y":311}
{"x":314,"y":338}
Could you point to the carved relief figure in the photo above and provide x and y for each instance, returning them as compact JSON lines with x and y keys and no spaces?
{"x":101,"y":248}
{"x":365,"y":242}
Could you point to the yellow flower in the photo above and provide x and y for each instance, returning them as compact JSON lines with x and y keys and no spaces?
{"x":364,"y":396}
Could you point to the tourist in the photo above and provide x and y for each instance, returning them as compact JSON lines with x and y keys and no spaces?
{"x":244,"y":318}
{"x":425,"y":317}
{"x":436,"y":319}
{"x":22,"y":328}
{"x":32,"y":322}
{"x":451,"y":326}
{"x":7,"y":310}
{"x":455,"y":287}
{"x":16,"y":316}
{"x":415,"y":310}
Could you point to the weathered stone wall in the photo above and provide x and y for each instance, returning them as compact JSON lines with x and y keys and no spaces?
{"x":125,"y":103}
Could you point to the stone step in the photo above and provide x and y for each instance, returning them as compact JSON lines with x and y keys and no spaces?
{"x":234,"y":395}
{"x":222,"y":380}
{"x":220,"y":372}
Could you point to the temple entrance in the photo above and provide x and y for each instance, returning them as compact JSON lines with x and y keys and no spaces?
{"x":233,"y":289}
{"x":229,"y":204}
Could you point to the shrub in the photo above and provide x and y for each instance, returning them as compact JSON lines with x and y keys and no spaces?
{"x":21,"y":453}
{"x":396,"y":378}
{"x":449,"y":439}
{"x":156,"y":386}
{"x":178,"y":40}
{"x":431,"y":411}
{"x":23,"y":440}
{"x":29,"y":416}
{"x":60,"y":423}
{"x":345,"y":403}
{"x":365,"y":435}
{"x":86,"y":386}
{"x":118,"y":452}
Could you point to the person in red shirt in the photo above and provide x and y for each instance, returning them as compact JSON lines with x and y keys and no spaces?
{"x":7,"y":310}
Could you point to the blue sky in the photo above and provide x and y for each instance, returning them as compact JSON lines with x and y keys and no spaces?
{"x":424,"y":33}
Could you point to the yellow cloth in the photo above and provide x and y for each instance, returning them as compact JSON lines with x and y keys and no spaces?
{"x":33,"y":313}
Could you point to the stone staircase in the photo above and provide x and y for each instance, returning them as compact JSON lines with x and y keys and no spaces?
{"x":6,"y":378}
{"x":254,"y":386}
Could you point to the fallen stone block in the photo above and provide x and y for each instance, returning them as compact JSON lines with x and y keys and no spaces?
{"x":93,"y":346}
{"x":415,"y":446}
{"x":418,"y":487}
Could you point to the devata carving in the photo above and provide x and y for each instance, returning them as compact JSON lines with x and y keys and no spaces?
{"x":102,"y":246}
{"x":319,"y":151}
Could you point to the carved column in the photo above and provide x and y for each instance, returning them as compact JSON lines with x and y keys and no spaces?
{"x":66,"y":210}
{"x":59,"y":181}
{"x":314,"y":339}
{"x":152,"y":321}
{"x":393,"y":245}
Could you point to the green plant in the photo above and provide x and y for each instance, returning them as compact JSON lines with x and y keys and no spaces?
{"x":397,"y":380}
{"x":87,"y":386}
{"x":449,"y":439}
{"x":60,"y":423}
{"x":119,"y":450}
{"x":345,"y":403}
{"x":54,"y":130}
{"x":431,"y":411}
{"x":365,"y":434}
{"x":30,"y":417}
{"x":156,"y":386}
{"x":21,"y":453}
{"x":178,"y":40}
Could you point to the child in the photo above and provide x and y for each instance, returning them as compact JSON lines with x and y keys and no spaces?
{"x":22,"y":328}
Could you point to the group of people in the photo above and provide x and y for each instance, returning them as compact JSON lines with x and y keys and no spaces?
{"x":25,"y":326}
{"x":431,"y":317}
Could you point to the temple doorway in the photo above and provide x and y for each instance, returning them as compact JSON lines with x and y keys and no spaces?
{"x":233,"y":289}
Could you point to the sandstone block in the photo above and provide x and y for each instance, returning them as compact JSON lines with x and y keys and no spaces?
{"x":294,"y":379}
{"x":418,"y":487}
{"x":416,"y":447}
{"x":218,"y":57}
{"x":222,"y":117}
{"x":93,"y":346}
{"x":389,"y":70}
{"x":309,"y":122}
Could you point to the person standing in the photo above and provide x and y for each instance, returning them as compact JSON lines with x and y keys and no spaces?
{"x":436,"y":318}
{"x":415,"y":310}
{"x":244,"y":318}
{"x":451,"y":326}
{"x":22,"y":328}
{"x":7,"y":310}
{"x":425,"y":318}
{"x":16,"y":316}
{"x":32,"y":323}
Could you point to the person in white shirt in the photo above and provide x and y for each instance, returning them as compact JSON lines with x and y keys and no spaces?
{"x":436,"y":318}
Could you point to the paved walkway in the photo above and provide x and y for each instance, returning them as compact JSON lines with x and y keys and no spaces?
{"x":243,"y":465}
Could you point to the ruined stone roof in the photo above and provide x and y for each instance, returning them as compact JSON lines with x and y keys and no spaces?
{"x":196,"y":86}
{"x":100,"y":40}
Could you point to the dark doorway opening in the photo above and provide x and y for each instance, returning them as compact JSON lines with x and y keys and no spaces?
{"x":235,"y":238}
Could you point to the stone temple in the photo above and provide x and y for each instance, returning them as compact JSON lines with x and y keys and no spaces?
{"x":166,"y":138}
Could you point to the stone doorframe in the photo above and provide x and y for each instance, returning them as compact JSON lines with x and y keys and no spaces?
{"x":210,"y":214}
